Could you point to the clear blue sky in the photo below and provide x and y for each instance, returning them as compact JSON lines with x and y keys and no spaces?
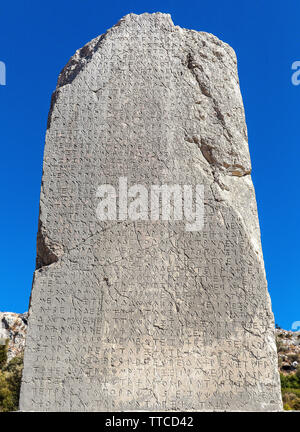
{"x":37,"y":39}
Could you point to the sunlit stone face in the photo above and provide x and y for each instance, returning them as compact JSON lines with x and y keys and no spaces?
{"x":136,"y":313}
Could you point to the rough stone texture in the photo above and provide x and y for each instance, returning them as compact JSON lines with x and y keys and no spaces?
{"x":145,"y":315}
{"x":13,"y":326}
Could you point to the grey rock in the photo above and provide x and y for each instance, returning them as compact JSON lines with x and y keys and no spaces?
{"x":143,"y":315}
{"x":14,"y":328}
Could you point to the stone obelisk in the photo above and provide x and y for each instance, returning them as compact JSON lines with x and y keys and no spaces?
{"x":142,"y":313}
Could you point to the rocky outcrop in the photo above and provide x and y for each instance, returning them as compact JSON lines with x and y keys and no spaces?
{"x":288,"y":346}
{"x":13,"y":326}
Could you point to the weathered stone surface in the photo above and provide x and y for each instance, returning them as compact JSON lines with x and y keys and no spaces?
{"x":144,"y":315}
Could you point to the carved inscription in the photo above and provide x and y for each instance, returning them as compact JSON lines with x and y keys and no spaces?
{"x":142,"y":315}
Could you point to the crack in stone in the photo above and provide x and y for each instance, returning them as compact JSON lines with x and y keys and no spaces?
{"x":207,"y":149}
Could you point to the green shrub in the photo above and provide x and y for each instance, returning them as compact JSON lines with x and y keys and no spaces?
{"x":290,"y":381}
{"x":291,"y":399}
{"x":10,"y":381}
{"x":291,"y":391}
{"x":296,"y":404}
{"x":290,"y":388}
{"x":3,"y":354}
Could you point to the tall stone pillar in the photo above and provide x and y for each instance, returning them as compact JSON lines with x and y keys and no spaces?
{"x":143,"y":311}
